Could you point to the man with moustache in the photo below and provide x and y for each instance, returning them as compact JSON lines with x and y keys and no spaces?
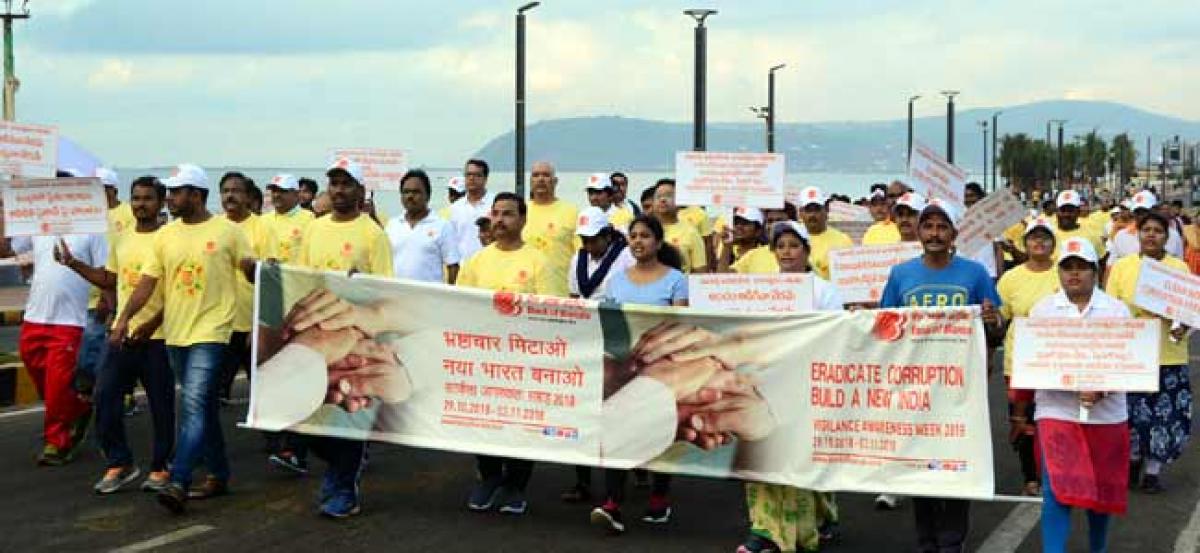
{"x":237,"y":200}
{"x":468,"y":209}
{"x":550,"y":227}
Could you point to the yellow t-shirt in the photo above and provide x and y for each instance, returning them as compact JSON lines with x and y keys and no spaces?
{"x":128,"y":255}
{"x":881,"y":233}
{"x":197,"y":266}
{"x":343,"y":245}
{"x":550,"y":229}
{"x":689,"y":243}
{"x":698,"y":218}
{"x":120,"y":219}
{"x":521,"y":271}
{"x":1020,"y":289}
{"x":1016,"y":235}
{"x":620,"y":219}
{"x":261,"y":244}
{"x":1082,"y":231}
{"x":819,"y":246}
{"x":1122,"y":283}
{"x":760,"y":260}
{"x":287,"y":231}
{"x":1098,"y":220}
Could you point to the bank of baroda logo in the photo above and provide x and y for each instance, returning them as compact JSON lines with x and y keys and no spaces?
{"x":507,"y":303}
{"x":889,"y":326}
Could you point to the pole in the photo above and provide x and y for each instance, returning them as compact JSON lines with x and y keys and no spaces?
{"x":519,"y":162}
{"x":950,"y":129}
{"x":911,"y":99}
{"x":700,"y":37}
{"x":995,"y":141}
{"x":984,"y":124}
{"x":1059,"y":170}
{"x":10,"y":78}
{"x":771,"y":111}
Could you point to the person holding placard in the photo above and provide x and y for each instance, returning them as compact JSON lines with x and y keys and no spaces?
{"x":1161,"y":422}
{"x":678,"y":233}
{"x":1070,"y":223}
{"x":822,"y":237}
{"x":1020,"y":289}
{"x":1083,"y":435}
{"x":743,"y":243}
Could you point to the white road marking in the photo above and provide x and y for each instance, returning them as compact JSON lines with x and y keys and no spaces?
{"x":1189,"y":539}
{"x":16,"y":413}
{"x":1009,"y":534}
{"x":165,"y":539}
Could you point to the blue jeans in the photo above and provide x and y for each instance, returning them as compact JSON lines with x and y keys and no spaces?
{"x":198,"y":369}
{"x":1056,"y":523}
{"x":127,"y":364}
{"x":93,"y":350}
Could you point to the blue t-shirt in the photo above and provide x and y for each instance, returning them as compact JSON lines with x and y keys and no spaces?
{"x":962,"y":282}
{"x":672,"y":286}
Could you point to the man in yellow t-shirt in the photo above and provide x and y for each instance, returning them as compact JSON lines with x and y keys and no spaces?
{"x":677,"y":232}
{"x":143,"y":356}
{"x":236,"y":201}
{"x":697,"y":217}
{"x":884,"y":230}
{"x":511,"y":265}
{"x":197,"y":258}
{"x":821,"y":237}
{"x":286,"y":223}
{"x":550,"y":227}
{"x":1069,"y":225}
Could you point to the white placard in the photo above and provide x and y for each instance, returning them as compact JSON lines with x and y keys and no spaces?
{"x":729,"y":179}
{"x":933,"y":177}
{"x":1168,"y":292}
{"x":842,"y":211}
{"x":29,"y":151}
{"x":987,"y":220}
{"x":382,"y":168}
{"x":1097,"y":355}
{"x":35,"y":207}
{"x":751,"y":293}
{"x":860,"y":273}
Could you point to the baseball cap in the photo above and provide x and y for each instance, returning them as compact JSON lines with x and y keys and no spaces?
{"x":911,"y":200}
{"x":284,"y":182}
{"x":598,"y":181}
{"x":811,"y":195}
{"x":1078,"y":246}
{"x":878,"y":194}
{"x":457,"y":184}
{"x":591,"y":221}
{"x":343,"y":163}
{"x":1143,"y":200}
{"x":939,"y":206}
{"x":1038,"y":223}
{"x":752,"y":214}
{"x":1068,"y":197}
{"x":187,"y":174}
{"x":108,"y":177}
{"x":784,"y":226}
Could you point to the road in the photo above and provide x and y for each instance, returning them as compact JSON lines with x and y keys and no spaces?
{"x":415,"y":500}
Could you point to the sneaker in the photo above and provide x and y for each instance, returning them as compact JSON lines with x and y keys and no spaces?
{"x":758,"y":544}
{"x":887,"y":502}
{"x":661,"y":515}
{"x":173,"y":497}
{"x":576,"y":494}
{"x":341,"y":505}
{"x":1151,"y":484}
{"x":289,"y":461}
{"x":484,"y":496}
{"x":51,"y":457}
{"x":78,"y":434}
{"x":156,"y":481}
{"x":609,"y":518}
{"x":212,"y":487}
{"x":513,"y":502}
{"x":116,"y":478}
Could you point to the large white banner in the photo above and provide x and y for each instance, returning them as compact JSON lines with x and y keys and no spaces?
{"x":729,"y":179}
{"x":29,"y":151}
{"x":382,"y":167}
{"x":1168,"y":292}
{"x":987,"y":220}
{"x":860,"y":273}
{"x":54,"y":206}
{"x":930,"y":175}
{"x":1095,"y":355}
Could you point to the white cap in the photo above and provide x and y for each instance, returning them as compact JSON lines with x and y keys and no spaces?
{"x":752,"y":214}
{"x":108,"y":177}
{"x":1039,"y":222}
{"x":457,"y":184}
{"x":811,"y":195}
{"x":911,"y":200}
{"x":343,"y":163}
{"x":793,"y":226}
{"x":284,"y":182}
{"x":598,"y":181}
{"x":939,"y":206}
{"x":1143,"y":200}
{"x":1127,"y":204}
{"x":1068,"y":197}
{"x":1078,"y":246}
{"x":1115,"y":210}
{"x":591,"y":221}
{"x":878,"y":194}
{"x":186,"y":174}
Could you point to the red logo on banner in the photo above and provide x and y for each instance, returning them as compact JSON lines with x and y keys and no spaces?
{"x":506,"y":303}
{"x":889,"y":326}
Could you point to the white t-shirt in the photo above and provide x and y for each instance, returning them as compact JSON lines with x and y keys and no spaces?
{"x":419,"y":252}
{"x":1064,"y":405}
{"x":1126,"y":243}
{"x":58,"y":296}
{"x":463,"y":215}
{"x":623,"y":261}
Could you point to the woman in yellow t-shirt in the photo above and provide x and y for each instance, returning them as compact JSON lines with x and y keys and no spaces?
{"x":1020,"y":289}
{"x":1160,"y":423}
{"x":744,"y":237}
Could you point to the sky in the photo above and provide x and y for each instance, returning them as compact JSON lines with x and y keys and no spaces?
{"x":277,"y":83}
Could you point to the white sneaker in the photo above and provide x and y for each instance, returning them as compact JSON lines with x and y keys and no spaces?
{"x":887,"y":502}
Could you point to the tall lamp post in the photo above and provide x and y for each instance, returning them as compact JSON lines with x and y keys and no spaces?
{"x":771,"y":106}
{"x":911,"y":99}
{"x":995,"y":143}
{"x":984,"y":125}
{"x":10,"y":79}
{"x":519,"y":162}
{"x":1058,"y":167}
{"x":950,"y":94}
{"x":701,"y":37}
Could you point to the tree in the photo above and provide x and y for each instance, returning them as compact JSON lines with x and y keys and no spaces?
{"x":1094,"y":157}
{"x":1123,"y":158}
{"x":1027,"y":164}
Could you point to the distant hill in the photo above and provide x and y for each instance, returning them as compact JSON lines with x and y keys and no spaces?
{"x":612,"y":143}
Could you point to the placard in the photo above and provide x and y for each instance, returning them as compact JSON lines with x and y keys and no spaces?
{"x":854,"y":229}
{"x":1076,"y":354}
{"x":987,"y":220}
{"x":1168,"y":292}
{"x":729,"y":179}
{"x":29,"y":151}
{"x":930,"y":175}
{"x":751,"y":293}
{"x":842,"y":211}
{"x":382,"y":168}
{"x":860,"y":273}
{"x":35,"y":207}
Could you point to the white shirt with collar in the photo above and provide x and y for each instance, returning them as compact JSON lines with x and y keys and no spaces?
{"x":58,"y":296}
{"x":623,"y":261}
{"x":419,"y":251}
{"x":463,"y":215}
{"x":1064,"y":405}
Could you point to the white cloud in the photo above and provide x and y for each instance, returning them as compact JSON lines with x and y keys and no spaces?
{"x":112,"y":74}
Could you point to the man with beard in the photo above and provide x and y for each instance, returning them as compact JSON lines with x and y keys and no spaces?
{"x":307,"y":193}
{"x":237,"y":201}
{"x":1070,"y":208}
{"x":423,"y":244}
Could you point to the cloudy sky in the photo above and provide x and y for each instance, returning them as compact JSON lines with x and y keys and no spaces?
{"x":278,"y":82}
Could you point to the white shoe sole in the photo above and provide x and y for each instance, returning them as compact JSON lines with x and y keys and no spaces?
{"x":600,"y":517}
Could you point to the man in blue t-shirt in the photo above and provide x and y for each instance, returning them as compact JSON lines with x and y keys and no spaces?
{"x":941,"y":279}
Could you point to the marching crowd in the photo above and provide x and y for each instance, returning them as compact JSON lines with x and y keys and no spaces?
{"x":170,"y":304}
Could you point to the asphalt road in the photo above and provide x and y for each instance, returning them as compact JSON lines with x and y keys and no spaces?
{"x":414,"y":500}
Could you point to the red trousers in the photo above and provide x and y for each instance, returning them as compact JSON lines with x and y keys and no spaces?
{"x":49,"y":353}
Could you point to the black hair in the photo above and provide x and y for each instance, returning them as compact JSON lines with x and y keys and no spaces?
{"x":421,"y":176}
{"x":617,"y":174}
{"x":1177,"y":203}
{"x":150,"y":181}
{"x":789,"y":209}
{"x":782,"y":229}
{"x":480,"y":164}
{"x":648,"y":193}
{"x":483,"y":223}
{"x":60,"y":174}
{"x":521,"y":208}
{"x":254,"y":191}
{"x":1151,"y":214}
{"x":878,"y":186}
{"x":234,"y":175}
{"x":974,"y":187}
{"x":309,"y":185}
{"x":667,"y":254}
{"x":663,"y":181}
{"x":1053,"y":238}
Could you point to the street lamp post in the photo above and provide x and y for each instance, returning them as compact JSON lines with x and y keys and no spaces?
{"x":701,"y":36}
{"x":1058,"y":172}
{"x":911,"y":99}
{"x":519,"y":162}
{"x":950,"y":94}
{"x":771,"y":107}
{"x":984,"y":125}
{"x":10,"y":79}
{"x":995,"y":142}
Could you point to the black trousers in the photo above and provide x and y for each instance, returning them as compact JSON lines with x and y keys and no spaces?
{"x":942,"y":524}
{"x":512,"y":473}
